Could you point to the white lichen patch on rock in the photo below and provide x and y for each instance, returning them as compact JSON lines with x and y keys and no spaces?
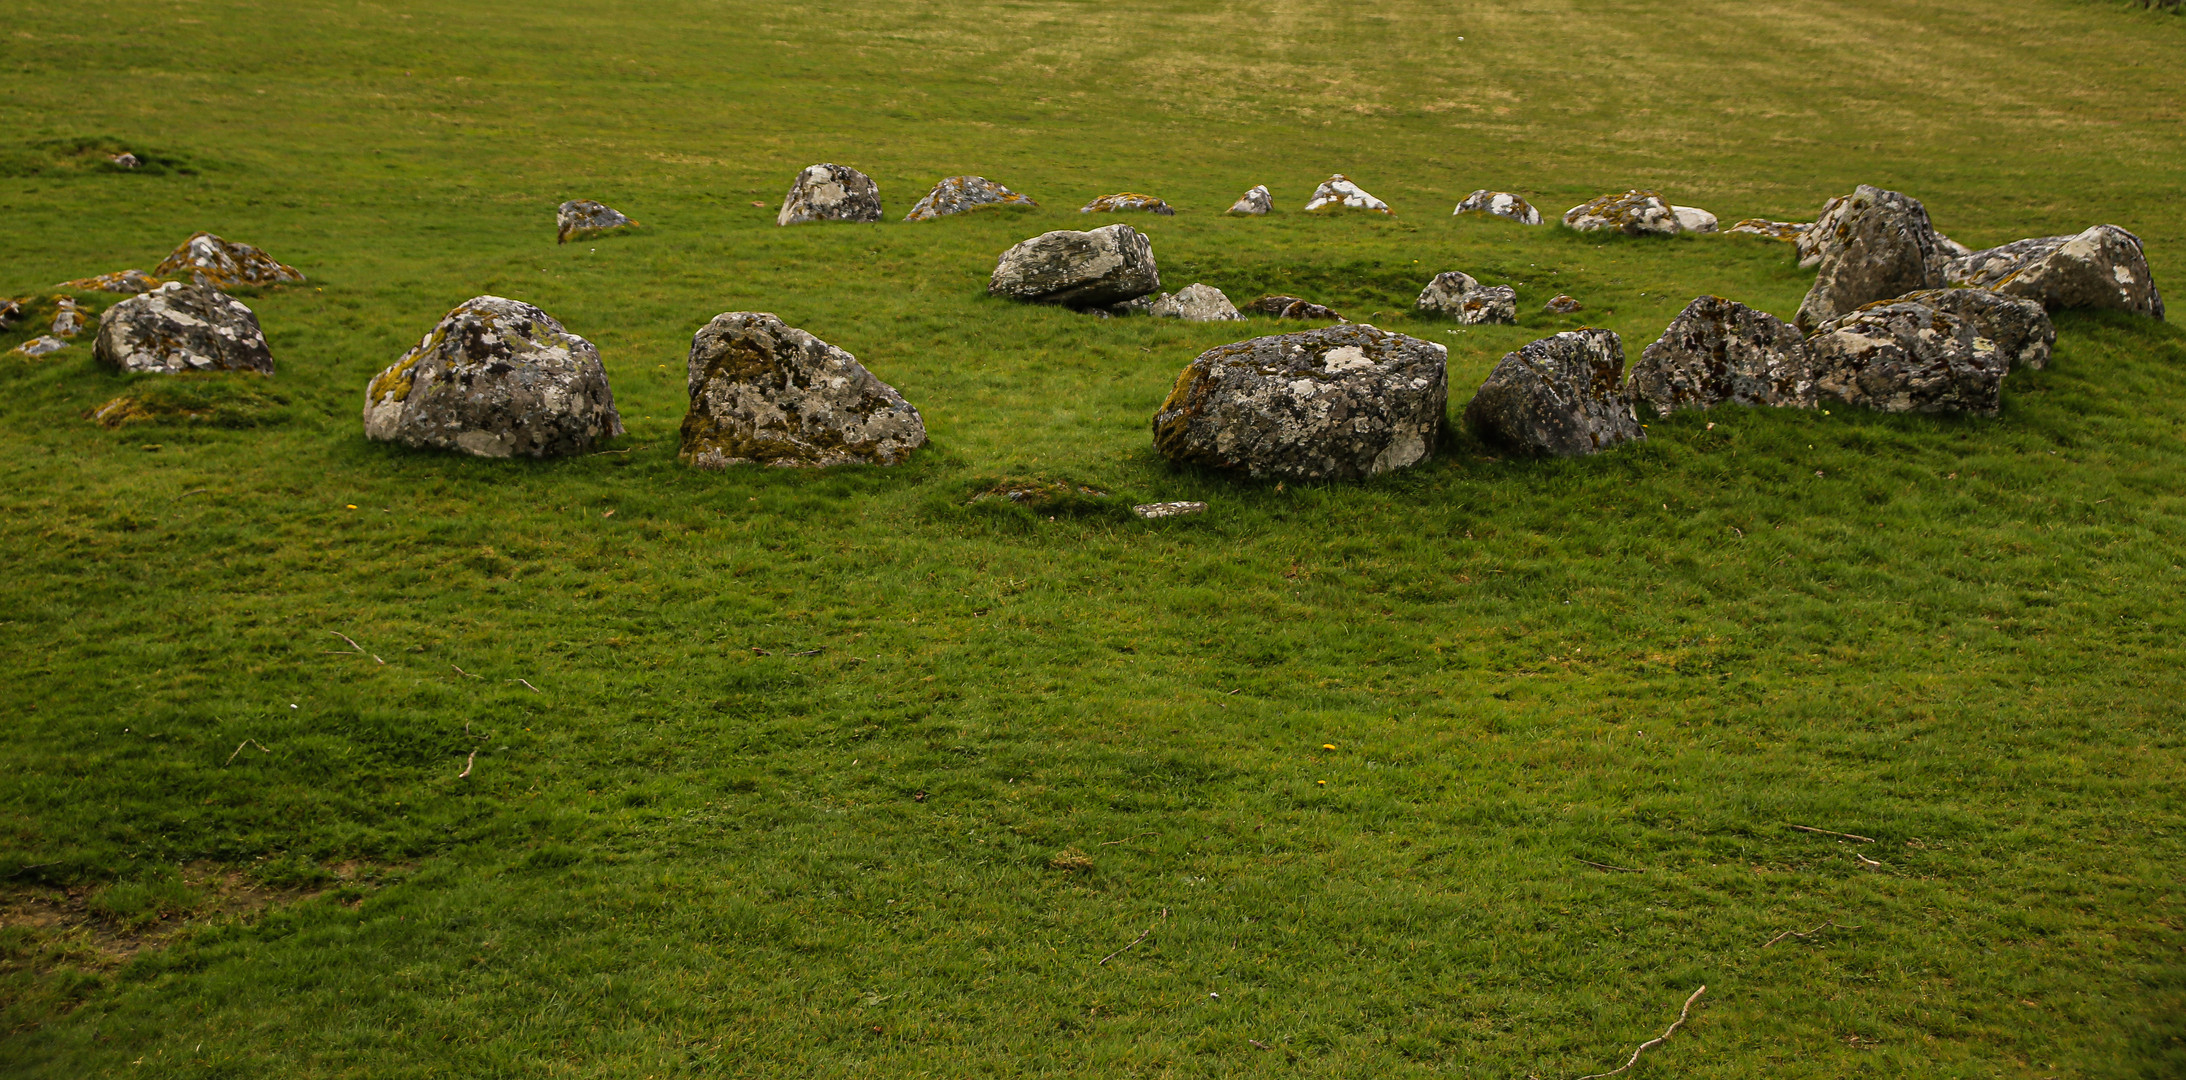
{"x":1787,"y":232}
{"x":42,"y":345}
{"x":180,"y":327}
{"x":2102,"y":267}
{"x":764,"y":392}
{"x":1091,"y":269}
{"x":828,"y":192}
{"x":1157,"y":511}
{"x":1720,"y":351}
{"x":1633,"y":213}
{"x":1562,"y":395}
{"x":1693,"y":219}
{"x":1197,"y":302}
{"x":1126,"y":202}
{"x":1339,"y":193}
{"x":1874,"y":245}
{"x":1457,"y":295}
{"x":1904,"y":356}
{"x":1254,"y":203}
{"x":494,"y":378}
{"x":2020,"y":327}
{"x":958,"y":194}
{"x":69,"y":320}
{"x":1500,"y":204}
{"x":208,"y":260}
{"x":579,"y":218}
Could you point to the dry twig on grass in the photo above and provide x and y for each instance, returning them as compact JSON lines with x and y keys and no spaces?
{"x":1830,"y":832}
{"x":239,"y":749}
{"x":528,"y":686}
{"x":1142,"y":937}
{"x":467,"y":763}
{"x":1809,"y":933}
{"x":1606,"y":866}
{"x":1657,"y":1040}
{"x":624,"y":450}
{"x":353,"y":648}
{"x":466,"y":674}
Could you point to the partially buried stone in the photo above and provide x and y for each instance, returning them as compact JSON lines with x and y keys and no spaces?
{"x":1903,"y":356}
{"x":1090,"y":269}
{"x":495,"y":378}
{"x":42,"y":345}
{"x":208,"y":260}
{"x":126,"y":160}
{"x":958,"y":194}
{"x":1291,"y":307}
{"x":1197,"y":303}
{"x":179,"y":327}
{"x":1693,"y":219}
{"x":68,"y":319}
{"x":1561,"y":395}
{"x":1338,"y":403}
{"x":1633,"y":213}
{"x":1784,"y":231}
{"x":765,"y":392}
{"x":1875,"y":245}
{"x":2102,"y":267}
{"x":10,"y":311}
{"x":1155,"y":511}
{"x":2020,"y":327}
{"x":1563,"y":304}
{"x":1124,"y":202}
{"x":1720,"y":351}
{"x":1457,"y":295}
{"x":120,"y":281}
{"x":1502,"y":204}
{"x":1339,"y":193}
{"x":830,"y":193}
{"x":1255,"y":203}
{"x":579,"y":218}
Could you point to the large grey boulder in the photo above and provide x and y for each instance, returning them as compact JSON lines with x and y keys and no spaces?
{"x":1338,"y":403}
{"x":1561,"y":395}
{"x":827,"y":192}
{"x":766,"y":392}
{"x":580,"y":218}
{"x":1501,"y":204}
{"x":208,"y":260}
{"x":1197,"y":303}
{"x":1455,"y":294}
{"x":2020,"y":327}
{"x":1339,"y":193}
{"x":1904,"y":356}
{"x":1816,"y":238}
{"x":957,"y":194}
{"x":182,"y":327}
{"x":2103,"y":267}
{"x":1254,"y":203}
{"x":495,"y":378}
{"x":1633,"y":213}
{"x":1875,"y":245}
{"x":1719,"y":351}
{"x":1090,"y":269}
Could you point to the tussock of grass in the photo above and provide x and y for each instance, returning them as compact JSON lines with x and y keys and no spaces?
{"x":86,"y":156}
{"x":220,"y":401}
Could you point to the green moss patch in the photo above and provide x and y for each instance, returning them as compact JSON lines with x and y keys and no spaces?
{"x":238,"y":400}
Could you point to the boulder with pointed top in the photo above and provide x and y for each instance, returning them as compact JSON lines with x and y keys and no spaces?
{"x":1501,"y":204}
{"x":180,"y":327}
{"x":1339,"y":193}
{"x":1197,"y":303}
{"x":1875,"y":245}
{"x":1291,"y":307}
{"x":1720,"y":351}
{"x":1254,"y":203}
{"x":1904,"y":356}
{"x":2102,"y":267}
{"x":827,"y":192}
{"x":1633,"y":213}
{"x":2020,"y":327}
{"x":1563,"y":304}
{"x":68,"y":319}
{"x":495,"y":378}
{"x":1456,"y":294}
{"x":958,"y":194}
{"x":208,"y":260}
{"x":1125,"y":202}
{"x":580,"y":218}
{"x":1562,"y":395}
{"x":1088,"y":269}
{"x":765,"y":392}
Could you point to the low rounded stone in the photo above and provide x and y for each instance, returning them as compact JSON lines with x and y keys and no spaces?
{"x":182,"y":327}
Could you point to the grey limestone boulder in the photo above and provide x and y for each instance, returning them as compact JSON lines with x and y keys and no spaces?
{"x":180,"y":327}
{"x":1719,"y":351}
{"x":2020,"y":328}
{"x":69,"y":319}
{"x":42,"y":345}
{"x":1874,"y":245}
{"x":1338,"y":403}
{"x":1339,"y":193}
{"x":2103,"y":267}
{"x":1562,"y":395}
{"x":1089,"y":269}
{"x":579,"y":218}
{"x":1693,"y":219}
{"x":208,"y":260}
{"x":1501,"y":204}
{"x":827,"y":192}
{"x":766,"y":392}
{"x":494,"y":378}
{"x":957,"y":194}
{"x":1197,"y":303}
{"x":1633,"y":213}
{"x":1455,"y":294}
{"x":1255,"y":203}
{"x":1904,"y":356}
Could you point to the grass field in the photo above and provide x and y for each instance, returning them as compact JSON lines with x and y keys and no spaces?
{"x":832,"y":774}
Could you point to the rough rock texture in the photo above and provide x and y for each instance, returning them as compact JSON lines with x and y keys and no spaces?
{"x":41,"y":345}
{"x":1103,"y":266}
{"x":1904,"y":356}
{"x":1785,"y":231}
{"x":68,"y":319}
{"x":579,"y":218}
{"x":2103,"y":267}
{"x":1339,"y":193}
{"x":495,"y":378}
{"x":1693,"y":219}
{"x":2020,"y":327}
{"x":1291,"y":307}
{"x":10,"y":311}
{"x":1198,"y":303}
{"x":179,"y":327}
{"x":1634,"y":213}
{"x":960,"y":193}
{"x":1951,"y":249}
{"x":1455,"y":294}
{"x":126,"y":160}
{"x":1826,"y":232}
{"x":1255,"y":202}
{"x":1127,"y":201}
{"x":1563,"y":304}
{"x":1337,"y":403}
{"x":1155,"y":511}
{"x":1137,"y":305}
{"x":1719,"y":351}
{"x":1561,"y":395}
{"x":830,"y":193}
{"x":765,"y":392}
{"x":1502,"y":204}
{"x":1878,"y":244}
{"x":120,"y":281}
{"x":209,"y":260}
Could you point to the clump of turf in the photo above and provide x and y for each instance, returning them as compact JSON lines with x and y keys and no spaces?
{"x":221,"y":401}
{"x":87,"y":155}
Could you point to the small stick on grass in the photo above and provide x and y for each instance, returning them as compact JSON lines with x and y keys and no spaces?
{"x":467,"y":763}
{"x":1831,"y":832}
{"x":1606,"y":866}
{"x":624,"y":450}
{"x":1809,"y":933}
{"x":1142,"y":937}
{"x":1657,"y":1040}
{"x":239,"y":749}
{"x":528,"y":686}
{"x":466,"y":674}
{"x":1127,"y":839}
{"x":353,"y":647}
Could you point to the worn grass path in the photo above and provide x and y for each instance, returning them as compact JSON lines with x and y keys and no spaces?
{"x":788,"y":775}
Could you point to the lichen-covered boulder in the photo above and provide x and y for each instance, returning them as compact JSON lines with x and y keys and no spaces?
{"x":42,"y":345}
{"x":1255,"y":203}
{"x":1338,"y":403}
{"x":1088,"y":269}
{"x":208,"y":260}
{"x":1561,"y":395}
{"x":1826,"y":232}
{"x":1563,"y":304}
{"x":830,"y":193}
{"x":1501,"y":204}
{"x":2103,"y":267}
{"x":10,"y":311}
{"x":1693,"y":219}
{"x":1197,"y":303}
{"x":1904,"y":356}
{"x":1787,"y":232}
{"x":68,"y":319}
{"x":1291,"y":307}
{"x":1633,"y":213}
{"x":1950,"y":249}
{"x":180,"y":327}
{"x":1125,"y":202}
{"x":580,"y":218}
{"x":2020,"y":327}
{"x":1878,"y":244}
{"x":120,"y":281}
{"x":766,"y":392}
{"x":1719,"y":351}
{"x":495,"y":378}
{"x":958,"y":194}
{"x":1339,"y":193}
{"x":1455,"y":294}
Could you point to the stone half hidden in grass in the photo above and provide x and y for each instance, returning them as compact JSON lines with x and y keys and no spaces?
{"x":1254,"y":203}
{"x":42,"y":345}
{"x":181,"y":327}
{"x":1500,"y":204}
{"x":830,"y":193}
{"x":1787,"y":232}
{"x":1337,"y":403}
{"x":1454,"y":293}
{"x":1633,"y":213}
{"x":768,"y":393}
{"x":495,"y":378}
{"x":1197,"y":302}
{"x":1338,"y":193}
{"x":1693,"y":219}
{"x":579,"y":218}
{"x":1562,"y":396}
{"x":1092,"y":269}
{"x":69,"y":319}
{"x":208,"y":260}
{"x":1903,"y":356}
{"x":1128,"y":201}
{"x":2102,"y":267}
{"x":1563,"y":304}
{"x":958,"y":194}
{"x":1874,"y":245}
{"x":1720,"y":351}
{"x":120,"y":281}
{"x":1290,"y":307}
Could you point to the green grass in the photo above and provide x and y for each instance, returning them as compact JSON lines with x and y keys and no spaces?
{"x":675,"y":855}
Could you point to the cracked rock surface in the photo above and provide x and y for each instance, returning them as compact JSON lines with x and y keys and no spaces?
{"x":1903,"y":356}
{"x":1338,"y":403}
{"x":830,"y":193}
{"x":1255,"y":202}
{"x":766,"y":392}
{"x":495,"y":378}
{"x":1339,"y":193}
{"x":1633,"y":213}
{"x":1103,"y":266}
{"x":208,"y":260}
{"x":579,"y":218}
{"x":1502,"y":204}
{"x":1197,"y":303}
{"x":1719,"y":351}
{"x":180,"y":327}
{"x":2103,"y":267}
{"x":957,"y":194}
{"x":1874,"y":245}
{"x":1562,"y":395}
{"x":2020,"y":327}
{"x":1455,"y":294}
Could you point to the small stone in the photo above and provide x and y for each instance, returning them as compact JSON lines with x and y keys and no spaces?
{"x":1563,"y":304}
{"x":1455,"y":294}
{"x":1634,"y":213}
{"x":1719,"y":351}
{"x":180,"y":327}
{"x":958,"y":194}
{"x":1089,"y":269}
{"x":2020,"y":327}
{"x":494,"y":378}
{"x":120,"y":281}
{"x":1502,"y":204}
{"x":126,"y":160}
{"x":830,"y":193}
{"x":1561,"y":395}
{"x":2102,"y":267}
{"x":10,"y":311}
{"x":1125,"y":202}
{"x":1693,"y":219}
{"x":1784,"y":231}
{"x":1256,"y":202}
{"x":208,"y":260}
{"x":1197,"y":303}
{"x":580,"y":218}
{"x":1903,"y":356}
{"x":68,"y":319}
{"x":1155,"y":511}
{"x":1875,"y":245}
{"x":40,"y":346}
{"x":1339,"y":193}
{"x":1291,"y":307}
{"x":764,"y":392}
